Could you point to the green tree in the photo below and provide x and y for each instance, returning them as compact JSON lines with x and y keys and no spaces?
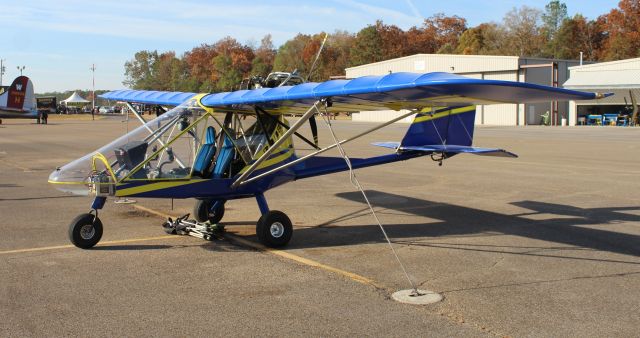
{"x":228,"y":76}
{"x":367,"y":47}
{"x":289,"y":56}
{"x":163,"y":73}
{"x":139,"y":72}
{"x":555,"y":13}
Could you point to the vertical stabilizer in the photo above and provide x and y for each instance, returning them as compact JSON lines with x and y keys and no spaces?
{"x":442,"y":126}
{"x":19,"y":96}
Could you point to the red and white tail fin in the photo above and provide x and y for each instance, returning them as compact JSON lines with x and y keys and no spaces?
{"x":19,"y":96}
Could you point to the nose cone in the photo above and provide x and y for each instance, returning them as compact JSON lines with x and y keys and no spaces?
{"x":73,"y":177}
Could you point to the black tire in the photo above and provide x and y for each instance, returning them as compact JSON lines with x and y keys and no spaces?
{"x":168,"y":227}
{"x":274,"y":229}
{"x":85,"y":231}
{"x":202,"y":212}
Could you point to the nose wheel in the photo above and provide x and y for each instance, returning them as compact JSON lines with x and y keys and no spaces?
{"x":208,"y":210}
{"x":274,"y":229}
{"x":85,"y":231}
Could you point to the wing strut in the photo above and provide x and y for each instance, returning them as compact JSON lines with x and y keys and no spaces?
{"x":277,"y":144}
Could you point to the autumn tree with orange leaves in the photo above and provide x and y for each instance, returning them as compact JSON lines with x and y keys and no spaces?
{"x":622,"y":26}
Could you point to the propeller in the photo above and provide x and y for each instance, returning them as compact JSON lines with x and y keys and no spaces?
{"x":312,"y":119}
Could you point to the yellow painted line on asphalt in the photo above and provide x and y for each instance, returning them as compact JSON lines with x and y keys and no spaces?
{"x":284,"y":254}
{"x":302,"y":260}
{"x":69,"y":246}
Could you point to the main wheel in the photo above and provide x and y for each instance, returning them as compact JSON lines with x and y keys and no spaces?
{"x":85,"y":231}
{"x":274,"y":229}
{"x":202,"y":211}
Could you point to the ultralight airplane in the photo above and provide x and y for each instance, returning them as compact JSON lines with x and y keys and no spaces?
{"x":224,"y":146}
{"x":18,"y":101}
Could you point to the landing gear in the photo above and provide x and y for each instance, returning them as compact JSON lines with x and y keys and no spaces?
{"x":274,"y":229}
{"x":85,"y":231}
{"x":208,"y":210}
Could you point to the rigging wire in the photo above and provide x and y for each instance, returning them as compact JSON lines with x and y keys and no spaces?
{"x":356,"y":183}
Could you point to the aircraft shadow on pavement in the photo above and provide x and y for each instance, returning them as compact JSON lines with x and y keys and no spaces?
{"x":38,"y":198}
{"x":209,"y":246}
{"x":563,"y":224}
{"x":136,"y":247}
{"x":9,"y":185}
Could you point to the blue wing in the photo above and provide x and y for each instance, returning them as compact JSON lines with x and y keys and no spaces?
{"x":148,"y":97}
{"x":393,"y":91}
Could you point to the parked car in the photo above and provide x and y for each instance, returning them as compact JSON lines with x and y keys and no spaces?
{"x":106,"y":110}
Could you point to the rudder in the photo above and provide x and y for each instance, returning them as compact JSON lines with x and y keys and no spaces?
{"x":19,"y":96}
{"x":445,"y":126}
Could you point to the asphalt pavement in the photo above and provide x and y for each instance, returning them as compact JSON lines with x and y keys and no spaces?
{"x":547,"y":244}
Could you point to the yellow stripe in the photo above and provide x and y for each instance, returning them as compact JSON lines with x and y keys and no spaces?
{"x":283,"y":254}
{"x":153,"y":186}
{"x":305,"y":261}
{"x":419,"y":119}
{"x":123,"y":241}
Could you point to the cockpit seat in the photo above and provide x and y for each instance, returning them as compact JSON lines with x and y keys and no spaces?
{"x":130,"y":155}
{"x":224,"y":157}
{"x":204,"y":159}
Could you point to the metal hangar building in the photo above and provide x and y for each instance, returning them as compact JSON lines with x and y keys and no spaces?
{"x":622,"y":78}
{"x":548,"y":72}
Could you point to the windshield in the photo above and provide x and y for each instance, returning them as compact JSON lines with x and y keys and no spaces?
{"x":118,"y":158}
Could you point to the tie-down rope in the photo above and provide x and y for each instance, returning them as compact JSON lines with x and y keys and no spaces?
{"x":357,"y":185}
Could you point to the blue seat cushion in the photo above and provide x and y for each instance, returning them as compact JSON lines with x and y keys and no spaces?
{"x":224,"y":157}
{"x":204,"y":159}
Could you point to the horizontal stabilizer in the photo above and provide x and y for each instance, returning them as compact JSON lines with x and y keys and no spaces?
{"x":440,"y":148}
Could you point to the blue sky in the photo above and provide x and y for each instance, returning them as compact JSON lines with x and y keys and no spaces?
{"x":58,"y":41}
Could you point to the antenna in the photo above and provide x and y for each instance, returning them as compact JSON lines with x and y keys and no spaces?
{"x":313,"y":66}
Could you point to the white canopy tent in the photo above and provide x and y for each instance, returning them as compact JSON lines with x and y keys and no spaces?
{"x":74,"y":98}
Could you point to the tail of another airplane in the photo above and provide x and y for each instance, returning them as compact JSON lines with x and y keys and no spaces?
{"x":447,"y":130}
{"x":19,"y":96}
